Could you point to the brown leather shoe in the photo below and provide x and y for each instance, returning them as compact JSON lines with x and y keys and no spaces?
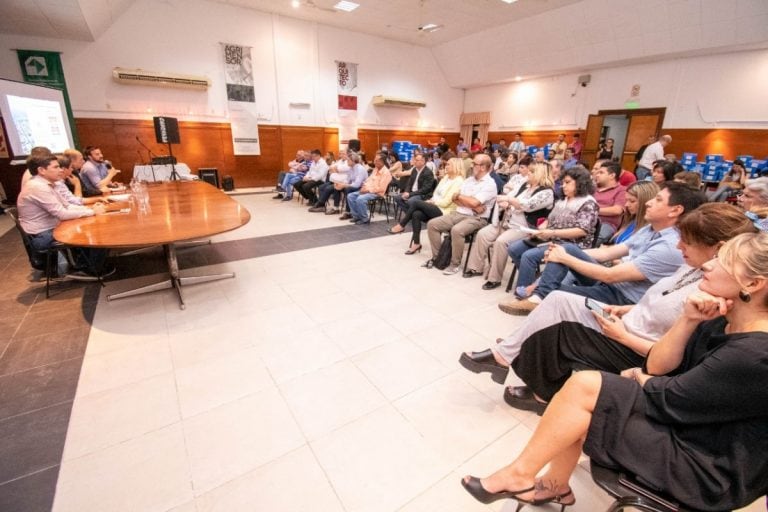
{"x":517,"y":307}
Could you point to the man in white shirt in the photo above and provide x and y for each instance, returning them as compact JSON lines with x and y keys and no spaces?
{"x":318,"y":170}
{"x":652,"y":153}
{"x":475,"y":202}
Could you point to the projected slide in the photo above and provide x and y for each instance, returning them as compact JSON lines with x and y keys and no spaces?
{"x":39,"y":123}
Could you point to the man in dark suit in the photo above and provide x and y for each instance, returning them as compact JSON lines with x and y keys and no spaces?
{"x":420,"y":184}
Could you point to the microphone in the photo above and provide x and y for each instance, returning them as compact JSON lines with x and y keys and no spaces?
{"x":108,"y":164}
{"x":151,"y":154}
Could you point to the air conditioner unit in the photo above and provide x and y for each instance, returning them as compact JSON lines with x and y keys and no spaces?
{"x":390,"y":101}
{"x":152,"y":78}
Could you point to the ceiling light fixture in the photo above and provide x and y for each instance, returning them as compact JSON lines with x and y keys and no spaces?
{"x":518,"y":77}
{"x":295,"y":4}
{"x":430,"y":27}
{"x":346,"y":6}
{"x":509,"y":1}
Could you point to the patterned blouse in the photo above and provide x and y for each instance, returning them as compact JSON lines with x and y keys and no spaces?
{"x":564,"y":216}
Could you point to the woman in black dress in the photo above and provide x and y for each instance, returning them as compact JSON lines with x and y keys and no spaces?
{"x":693,"y":422}
{"x":606,"y":150}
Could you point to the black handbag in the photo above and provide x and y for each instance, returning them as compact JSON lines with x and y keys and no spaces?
{"x":443,"y":258}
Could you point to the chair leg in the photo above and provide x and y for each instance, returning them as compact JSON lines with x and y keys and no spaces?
{"x":511,"y":278}
{"x":48,"y":272}
{"x":469,"y":251}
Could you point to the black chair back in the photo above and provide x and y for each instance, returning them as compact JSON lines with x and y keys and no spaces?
{"x":37,"y":259}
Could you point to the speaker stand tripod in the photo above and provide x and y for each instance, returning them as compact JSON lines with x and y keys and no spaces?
{"x":174,"y":175}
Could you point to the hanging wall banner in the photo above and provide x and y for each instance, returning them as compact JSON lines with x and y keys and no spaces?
{"x":346,"y":85}
{"x":44,"y":68}
{"x":241,"y":98}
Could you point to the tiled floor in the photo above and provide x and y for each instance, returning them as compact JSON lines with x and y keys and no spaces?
{"x":323,"y":377}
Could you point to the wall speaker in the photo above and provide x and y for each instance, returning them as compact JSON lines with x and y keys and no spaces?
{"x":167,"y":130}
{"x":209,"y":175}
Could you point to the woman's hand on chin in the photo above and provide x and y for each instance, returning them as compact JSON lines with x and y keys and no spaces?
{"x":702,"y":306}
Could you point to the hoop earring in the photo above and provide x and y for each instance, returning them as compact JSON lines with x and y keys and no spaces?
{"x":745,"y":296}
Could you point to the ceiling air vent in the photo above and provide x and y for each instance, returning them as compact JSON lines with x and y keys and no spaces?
{"x":152,"y":78}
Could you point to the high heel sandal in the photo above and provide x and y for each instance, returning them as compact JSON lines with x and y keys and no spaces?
{"x":391,"y":230}
{"x":413,"y":250}
{"x":476,"y":489}
{"x":544,"y":496}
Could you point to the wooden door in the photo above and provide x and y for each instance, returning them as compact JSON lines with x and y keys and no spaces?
{"x":591,"y":139}
{"x":641,"y":126}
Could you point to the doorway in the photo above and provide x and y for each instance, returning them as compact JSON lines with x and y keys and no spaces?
{"x":630,"y":130}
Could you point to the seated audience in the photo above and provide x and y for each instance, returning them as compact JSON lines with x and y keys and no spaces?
{"x":570,"y":160}
{"x":572,"y":218}
{"x":97,"y":174}
{"x":563,"y":335}
{"x":638,"y":195}
{"x":610,"y":197}
{"x":627,"y":178}
{"x":316,"y":175}
{"x":698,"y":404}
{"x":690,"y":178}
{"x":41,"y":209}
{"x":731,"y":183}
{"x":297,"y":168}
{"x":556,"y":172}
{"x":525,"y":205}
{"x":755,"y":194}
{"x":647,"y":256}
{"x":518,"y":146}
{"x":664,"y":170}
{"x":347,"y":176}
{"x":474,"y":203}
{"x":420,"y":183}
{"x":373,"y":187}
{"x":441,"y":203}
{"x":476,"y":146}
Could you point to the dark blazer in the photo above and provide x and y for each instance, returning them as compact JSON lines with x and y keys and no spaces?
{"x":426,"y":183}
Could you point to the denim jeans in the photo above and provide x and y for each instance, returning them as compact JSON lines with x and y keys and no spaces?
{"x":554,"y":273}
{"x":288,"y":182}
{"x":358,"y":204}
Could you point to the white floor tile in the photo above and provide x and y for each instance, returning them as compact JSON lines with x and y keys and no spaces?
{"x":220,"y":380}
{"x":329,"y":398}
{"x":103,"y":419}
{"x":231,"y":440}
{"x":399,"y":367}
{"x":379,"y":462}
{"x":120,"y":367}
{"x":294,"y":482}
{"x":360,"y":332}
{"x":149,"y":473}
{"x":199,"y":345}
{"x":299,"y":355}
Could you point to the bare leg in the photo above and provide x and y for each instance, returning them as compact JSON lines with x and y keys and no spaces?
{"x":557,"y":440}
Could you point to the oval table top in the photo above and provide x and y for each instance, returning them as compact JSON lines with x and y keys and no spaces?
{"x":180,"y":210}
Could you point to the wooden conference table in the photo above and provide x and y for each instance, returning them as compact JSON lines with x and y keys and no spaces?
{"x":179,"y":210}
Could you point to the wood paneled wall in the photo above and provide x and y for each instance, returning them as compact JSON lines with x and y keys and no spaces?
{"x":206,"y":145}
{"x":535,"y":137}
{"x":372,"y":140}
{"x":729,"y":142}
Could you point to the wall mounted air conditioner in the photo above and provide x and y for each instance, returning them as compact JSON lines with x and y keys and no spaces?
{"x":391,"y":101}
{"x":153,"y":78}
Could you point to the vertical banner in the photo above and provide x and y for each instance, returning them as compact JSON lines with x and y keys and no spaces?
{"x":346,"y":85}
{"x":241,"y":99}
{"x":44,"y":68}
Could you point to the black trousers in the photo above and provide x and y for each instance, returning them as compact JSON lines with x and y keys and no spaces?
{"x":307,"y":189}
{"x":419,"y":212}
{"x":549,"y":356}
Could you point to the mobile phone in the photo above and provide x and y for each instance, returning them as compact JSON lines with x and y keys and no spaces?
{"x":593,"y":305}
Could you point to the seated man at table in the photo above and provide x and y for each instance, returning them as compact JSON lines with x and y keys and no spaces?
{"x":318,"y":171}
{"x":35,"y":152}
{"x":41,"y":209}
{"x":69,"y":187}
{"x":97,"y":174}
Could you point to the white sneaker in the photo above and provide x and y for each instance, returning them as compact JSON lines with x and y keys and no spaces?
{"x":451,"y":270}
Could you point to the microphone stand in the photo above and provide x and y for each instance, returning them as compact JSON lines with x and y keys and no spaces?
{"x":149,"y":153}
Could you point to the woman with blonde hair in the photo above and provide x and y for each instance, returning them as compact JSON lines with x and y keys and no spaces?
{"x":441,"y":203}
{"x":699,"y":404}
{"x":523,"y":207}
{"x":638,"y":194}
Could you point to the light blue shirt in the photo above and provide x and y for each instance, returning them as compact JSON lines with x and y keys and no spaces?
{"x":655,"y":255}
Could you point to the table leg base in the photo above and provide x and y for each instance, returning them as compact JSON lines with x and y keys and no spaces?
{"x":176,"y":282}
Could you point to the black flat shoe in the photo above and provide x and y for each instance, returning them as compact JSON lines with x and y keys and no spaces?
{"x":476,"y":489}
{"x":484,"y":361}
{"x":521,"y":397}
{"x":490,"y":285}
{"x":428,"y":264}
{"x":471,"y":273}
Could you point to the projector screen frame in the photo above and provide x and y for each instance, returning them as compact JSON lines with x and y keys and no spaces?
{"x":35,"y":91}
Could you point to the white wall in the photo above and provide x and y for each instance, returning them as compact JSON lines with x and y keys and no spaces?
{"x":293,"y":62}
{"x":727,"y":90}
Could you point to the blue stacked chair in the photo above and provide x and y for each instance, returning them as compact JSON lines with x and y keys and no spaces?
{"x":545,"y":149}
{"x":755,"y":167}
{"x":713,"y":158}
{"x":711,"y":173}
{"x":532,"y":150}
{"x":689,"y":161}
{"x":747,"y":159}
